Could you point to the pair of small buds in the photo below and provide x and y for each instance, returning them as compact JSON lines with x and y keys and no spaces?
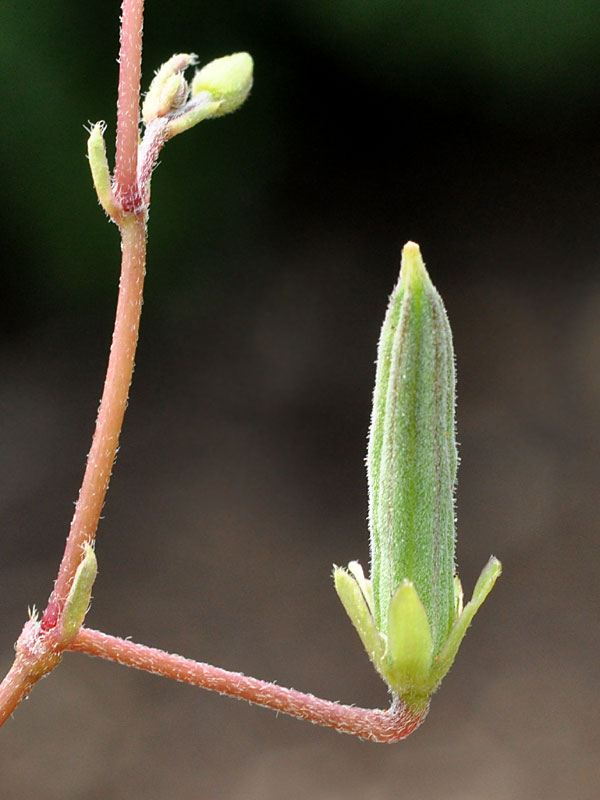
{"x":218,"y":88}
{"x":409,"y":614}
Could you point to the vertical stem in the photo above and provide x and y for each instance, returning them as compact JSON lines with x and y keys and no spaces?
{"x":40,"y":643}
{"x":128,"y":104}
{"x":120,"y":365}
{"x":112,"y":409}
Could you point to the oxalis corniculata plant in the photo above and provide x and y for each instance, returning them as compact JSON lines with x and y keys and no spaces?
{"x":409,"y":614}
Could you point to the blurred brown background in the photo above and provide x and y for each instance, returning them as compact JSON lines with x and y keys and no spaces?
{"x":275,"y":238}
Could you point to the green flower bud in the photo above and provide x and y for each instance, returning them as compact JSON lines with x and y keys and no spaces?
{"x":168,"y":90}
{"x":409,"y":615}
{"x":228,"y":80}
{"x":412,"y":454}
{"x":100,"y":170}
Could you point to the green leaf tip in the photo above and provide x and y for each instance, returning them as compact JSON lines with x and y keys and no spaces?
{"x":409,"y":614}
{"x":80,"y":594}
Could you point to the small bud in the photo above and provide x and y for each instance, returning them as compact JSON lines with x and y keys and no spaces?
{"x":80,"y":594}
{"x":100,"y":169}
{"x":227,"y":79}
{"x":410,"y":614}
{"x":168,"y":90}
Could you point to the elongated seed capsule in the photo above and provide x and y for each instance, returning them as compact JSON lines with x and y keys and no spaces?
{"x":410,"y":614}
{"x":412,"y":456}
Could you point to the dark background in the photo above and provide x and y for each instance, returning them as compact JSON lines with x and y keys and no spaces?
{"x":275,"y":236}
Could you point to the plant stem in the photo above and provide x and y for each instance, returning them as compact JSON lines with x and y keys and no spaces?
{"x":35,"y":658}
{"x":122,"y":353}
{"x":110,"y":416}
{"x":373,"y":724}
{"x":14,"y":688}
{"x":128,"y":105}
{"x":40,"y":644}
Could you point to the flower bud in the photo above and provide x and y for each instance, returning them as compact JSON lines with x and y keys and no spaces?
{"x":227,"y":79}
{"x":412,"y":454}
{"x":80,"y":594}
{"x":409,"y":615}
{"x":168,"y":90}
{"x":100,"y":171}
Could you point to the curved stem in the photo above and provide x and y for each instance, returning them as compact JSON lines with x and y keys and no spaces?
{"x":111,"y":412}
{"x":373,"y":724}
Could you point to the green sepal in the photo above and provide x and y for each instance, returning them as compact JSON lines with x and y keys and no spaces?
{"x":80,"y":593}
{"x":354,"y":590}
{"x":445,"y":658}
{"x":410,"y":648}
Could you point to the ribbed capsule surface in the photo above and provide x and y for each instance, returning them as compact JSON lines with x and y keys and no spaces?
{"x":412,"y":456}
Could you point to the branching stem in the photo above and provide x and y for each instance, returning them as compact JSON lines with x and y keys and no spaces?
{"x":41,"y":644}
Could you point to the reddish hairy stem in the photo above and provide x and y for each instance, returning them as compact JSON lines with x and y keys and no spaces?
{"x":373,"y":724}
{"x":111,"y":412}
{"x":36,"y":657}
{"x":40,"y":644}
{"x":128,"y":105}
{"x":15,"y":687}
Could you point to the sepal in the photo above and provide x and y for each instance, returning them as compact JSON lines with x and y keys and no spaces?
{"x":445,"y":658}
{"x":410,"y":647}
{"x":355,"y":592}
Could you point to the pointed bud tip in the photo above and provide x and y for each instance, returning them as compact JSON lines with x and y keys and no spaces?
{"x":413,"y":272}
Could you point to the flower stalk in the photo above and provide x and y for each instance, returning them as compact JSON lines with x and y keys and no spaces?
{"x":409,"y":614}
